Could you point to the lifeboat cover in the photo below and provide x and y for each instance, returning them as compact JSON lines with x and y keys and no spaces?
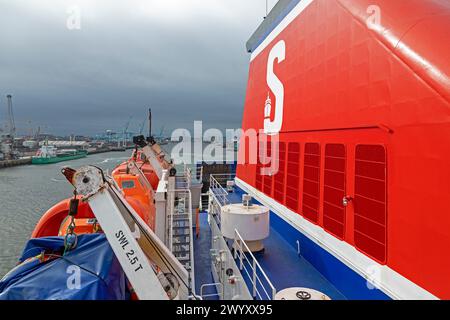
{"x":89,"y":272}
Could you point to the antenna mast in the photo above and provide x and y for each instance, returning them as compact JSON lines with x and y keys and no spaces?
{"x":149,"y":122}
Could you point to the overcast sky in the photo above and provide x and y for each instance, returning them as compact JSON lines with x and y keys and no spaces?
{"x":184,"y":58}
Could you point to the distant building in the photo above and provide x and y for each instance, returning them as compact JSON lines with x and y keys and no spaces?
{"x":66,"y":144}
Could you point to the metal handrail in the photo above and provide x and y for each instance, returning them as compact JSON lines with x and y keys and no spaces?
{"x":191,"y":240}
{"x":188,"y":176}
{"x":212,"y":294}
{"x":199,"y":175}
{"x":223,"y":177}
{"x":223,"y":260}
{"x":218,"y":190}
{"x":254,"y":265}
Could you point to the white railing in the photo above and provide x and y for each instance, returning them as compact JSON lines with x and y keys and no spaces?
{"x":216,"y":186}
{"x":169,"y":218}
{"x":261,"y":287}
{"x":199,"y":175}
{"x":216,"y":285}
{"x":188,"y":176}
{"x":185,"y":180}
{"x":234,"y":286}
{"x":255,"y":268}
{"x":222,"y":178}
{"x":187,"y":210}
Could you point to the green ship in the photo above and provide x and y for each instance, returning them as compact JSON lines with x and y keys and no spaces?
{"x":49,"y":155}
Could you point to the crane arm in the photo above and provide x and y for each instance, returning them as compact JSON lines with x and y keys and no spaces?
{"x":155,"y":155}
{"x":153,"y":271}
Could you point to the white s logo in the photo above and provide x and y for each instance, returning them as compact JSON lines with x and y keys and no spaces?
{"x":275,"y":85}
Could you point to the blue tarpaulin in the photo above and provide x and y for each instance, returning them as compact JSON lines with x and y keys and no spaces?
{"x":89,"y":272}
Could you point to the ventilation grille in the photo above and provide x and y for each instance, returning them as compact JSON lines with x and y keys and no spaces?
{"x":334,"y":190}
{"x":268,"y":176}
{"x":370,"y":201}
{"x":280,"y":176}
{"x":259,"y":177}
{"x":311,"y":182}
{"x":293,"y":177}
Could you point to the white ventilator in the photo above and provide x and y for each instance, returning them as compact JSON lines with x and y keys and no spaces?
{"x":252,"y":222}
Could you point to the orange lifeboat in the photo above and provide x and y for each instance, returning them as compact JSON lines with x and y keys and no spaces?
{"x":50,"y":223}
{"x":146,"y":168}
{"x":140,"y":197}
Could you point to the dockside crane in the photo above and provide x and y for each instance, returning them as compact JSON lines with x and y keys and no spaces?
{"x":125,"y":132}
{"x":141,"y":128}
{"x":7,"y":141}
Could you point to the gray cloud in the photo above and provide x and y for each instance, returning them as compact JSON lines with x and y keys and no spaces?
{"x":184,"y":58}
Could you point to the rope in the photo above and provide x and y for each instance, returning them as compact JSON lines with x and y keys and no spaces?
{"x":71,"y":238}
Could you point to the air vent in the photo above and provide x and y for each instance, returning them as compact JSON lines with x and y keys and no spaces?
{"x":311,"y":182}
{"x":370,"y":201}
{"x":292,"y":176}
{"x":279,"y":185}
{"x":259,"y":177}
{"x":268,"y":176}
{"x":334,"y":189}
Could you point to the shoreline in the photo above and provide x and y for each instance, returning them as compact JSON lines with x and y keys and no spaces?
{"x":15,"y":163}
{"x":27,"y":160}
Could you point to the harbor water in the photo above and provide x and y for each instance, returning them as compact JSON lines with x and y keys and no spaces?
{"x":27,"y":192}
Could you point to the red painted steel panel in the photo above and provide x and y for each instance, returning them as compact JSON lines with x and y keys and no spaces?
{"x":279,"y":184}
{"x":370,"y":201}
{"x":293,"y":176}
{"x":311,"y":182}
{"x":389,"y":85}
{"x":334,"y":189}
{"x":259,"y":166}
{"x":268,"y":178}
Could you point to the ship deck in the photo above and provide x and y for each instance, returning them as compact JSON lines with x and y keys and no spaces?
{"x":280,"y":261}
{"x":202,"y":258}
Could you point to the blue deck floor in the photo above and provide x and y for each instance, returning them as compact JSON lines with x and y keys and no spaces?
{"x":285,"y":268}
{"x":202,"y":258}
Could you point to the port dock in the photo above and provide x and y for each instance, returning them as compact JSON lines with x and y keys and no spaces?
{"x":15,"y":162}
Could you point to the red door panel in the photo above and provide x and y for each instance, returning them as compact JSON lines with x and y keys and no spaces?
{"x":311,"y":182}
{"x":293,"y":176}
{"x":279,"y":184}
{"x":334,"y":189}
{"x":267,"y":178}
{"x":370,"y":201}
